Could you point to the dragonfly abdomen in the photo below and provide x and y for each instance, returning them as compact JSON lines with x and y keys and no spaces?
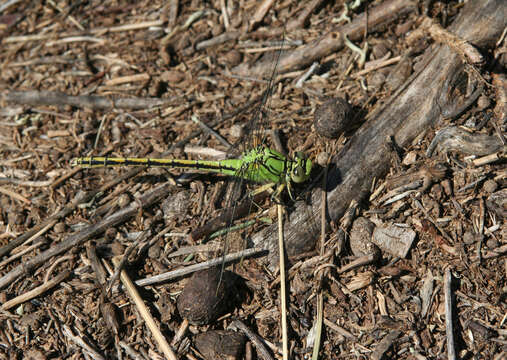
{"x":200,"y":165}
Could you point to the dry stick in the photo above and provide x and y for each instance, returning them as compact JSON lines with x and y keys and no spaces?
{"x":376,"y":67}
{"x":320,"y":296}
{"x":451,"y":354}
{"x":462,"y":47}
{"x":145,"y":313}
{"x":127,"y":27}
{"x":34,"y":98}
{"x":37,"y":291}
{"x":262,"y":351}
{"x":283,"y":296}
{"x":83,"y":197}
{"x":217,"y":40}
{"x":79,"y":341}
{"x":259,"y":14}
{"x":197,"y":267}
{"x":47,"y":224}
{"x":23,"y":252}
{"x":81,"y":237}
{"x":14,"y":195}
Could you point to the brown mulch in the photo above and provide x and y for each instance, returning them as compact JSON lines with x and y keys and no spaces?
{"x":411,"y":263}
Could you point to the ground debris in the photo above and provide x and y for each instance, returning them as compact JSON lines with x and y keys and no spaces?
{"x":415,"y":184}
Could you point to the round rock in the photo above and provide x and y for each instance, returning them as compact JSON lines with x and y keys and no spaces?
{"x":206,"y":296}
{"x":332,"y":117}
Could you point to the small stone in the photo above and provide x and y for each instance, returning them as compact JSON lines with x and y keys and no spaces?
{"x":220,"y":344}
{"x":117,"y":248}
{"x":490,"y":186}
{"x":232,"y":58}
{"x":60,"y":227}
{"x":360,"y":236}
{"x":206,"y":296}
{"x":176,"y":205}
{"x":172,"y":76}
{"x":332,"y":118}
{"x":322,"y":158}
{"x":483,"y":102}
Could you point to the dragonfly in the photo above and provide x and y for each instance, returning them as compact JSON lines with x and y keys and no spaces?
{"x":260,"y":164}
{"x":257,"y":163}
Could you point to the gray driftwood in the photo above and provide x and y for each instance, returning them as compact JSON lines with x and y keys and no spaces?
{"x":416,"y":107}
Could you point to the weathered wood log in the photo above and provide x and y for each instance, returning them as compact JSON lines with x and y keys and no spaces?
{"x":417,"y":106}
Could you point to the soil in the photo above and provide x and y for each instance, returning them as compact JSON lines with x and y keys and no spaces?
{"x":396,"y":249}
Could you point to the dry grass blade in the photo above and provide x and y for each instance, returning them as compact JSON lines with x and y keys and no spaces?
{"x":145,"y":313}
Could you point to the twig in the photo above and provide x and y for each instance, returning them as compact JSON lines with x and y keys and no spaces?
{"x":255,"y":339}
{"x":34,"y":98}
{"x":46,"y":36}
{"x":380,"y":65}
{"x":47,"y":224}
{"x":80,"y":342}
{"x":37,"y":291}
{"x":145,"y":314}
{"x":19,"y":254}
{"x":259,"y":14}
{"x":333,"y":41}
{"x":14,"y":195}
{"x":197,"y":267}
{"x":72,"y":39}
{"x":323,"y":222}
{"x":128,"y":79}
{"x":451,"y":354}
{"x":462,"y":47}
{"x":207,"y":129}
{"x":217,"y":40}
{"x":225,"y":15}
{"x":283,"y":295}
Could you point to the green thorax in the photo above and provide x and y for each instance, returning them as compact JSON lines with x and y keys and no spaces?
{"x":264,"y":165}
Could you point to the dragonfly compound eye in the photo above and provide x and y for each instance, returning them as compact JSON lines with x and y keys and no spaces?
{"x":298,"y":174}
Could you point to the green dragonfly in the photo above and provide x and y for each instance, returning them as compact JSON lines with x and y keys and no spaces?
{"x":260,"y":165}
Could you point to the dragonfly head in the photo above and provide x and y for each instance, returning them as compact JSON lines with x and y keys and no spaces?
{"x":301,"y":169}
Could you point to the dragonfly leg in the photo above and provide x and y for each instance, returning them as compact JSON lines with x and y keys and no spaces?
{"x":266,"y":187}
{"x":275,"y":197}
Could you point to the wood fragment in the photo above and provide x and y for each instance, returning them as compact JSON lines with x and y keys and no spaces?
{"x":35,"y":98}
{"x":36,"y":291}
{"x":449,"y":315}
